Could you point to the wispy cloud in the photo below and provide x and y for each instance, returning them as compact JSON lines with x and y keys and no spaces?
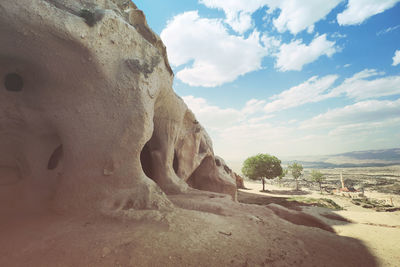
{"x":238,"y":13}
{"x":360,"y":86}
{"x":296,"y":15}
{"x":360,"y":112}
{"x":358,"y":11}
{"x":295,"y":55}
{"x":338,"y":35}
{"x":388,"y":30}
{"x":213,"y":116}
{"x":238,"y":135}
{"x":396,"y":58}
{"x":313,"y":90}
{"x":253,"y":106}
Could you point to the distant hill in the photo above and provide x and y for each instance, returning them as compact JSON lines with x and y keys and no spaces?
{"x":367,"y":158}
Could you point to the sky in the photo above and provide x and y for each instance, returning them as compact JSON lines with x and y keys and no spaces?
{"x":285,"y":77}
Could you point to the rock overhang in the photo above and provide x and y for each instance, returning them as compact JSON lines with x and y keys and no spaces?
{"x":92,"y":95}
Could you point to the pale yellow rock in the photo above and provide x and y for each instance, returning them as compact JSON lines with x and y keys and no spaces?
{"x":99,"y":104}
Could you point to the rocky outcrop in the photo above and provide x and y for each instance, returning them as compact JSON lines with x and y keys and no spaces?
{"x":88,"y":116}
{"x":239,"y":181}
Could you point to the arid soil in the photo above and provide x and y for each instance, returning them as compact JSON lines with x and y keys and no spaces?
{"x":384,"y":180}
{"x":378,"y":231}
{"x":203,"y":229}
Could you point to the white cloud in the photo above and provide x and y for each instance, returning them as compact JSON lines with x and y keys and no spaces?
{"x":346,"y":65}
{"x":271,"y":43}
{"x":299,"y":15}
{"x":215,"y":117}
{"x":212,"y":117}
{"x":371,"y":123}
{"x":310,"y":91}
{"x":295,"y":55}
{"x":364,"y":74}
{"x":338,"y":35}
{"x":364,"y":128}
{"x":388,"y":30}
{"x":359,"y":87}
{"x":361,"y":112}
{"x":362,"y":85}
{"x":396,"y":58}
{"x":253,"y":106}
{"x":248,"y":138}
{"x":217,"y":56}
{"x":310,"y":29}
{"x":295,"y":15}
{"x":238,"y":13}
{"x":240,"y":133}
{"x":358,"y":11}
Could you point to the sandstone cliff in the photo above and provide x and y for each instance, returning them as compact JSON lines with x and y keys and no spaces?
{"x":96,"y":104}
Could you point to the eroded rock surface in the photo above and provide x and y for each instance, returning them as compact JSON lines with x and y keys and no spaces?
{"x":87,"y":89}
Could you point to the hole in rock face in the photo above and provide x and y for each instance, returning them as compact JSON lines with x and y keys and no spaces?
{"x":55,"y":158}
{"x":218,"y":162}
{"x":146,"y":161}
{"x":202,"y":147}
{"x":227,"y":169}
{"x":175,"y":164}
{"x":13,"y":82}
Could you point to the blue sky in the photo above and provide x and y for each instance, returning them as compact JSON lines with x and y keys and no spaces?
{"x":286,"y":77}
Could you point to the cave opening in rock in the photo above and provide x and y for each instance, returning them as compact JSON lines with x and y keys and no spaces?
{"x":146,"y":161}
{"x":218,"y":162}
{"x":13,"y":82}
{"x":202,"y":147}
{"x":55,"y":158}
{"x":175,"y":164}
{"x":200,"y":179}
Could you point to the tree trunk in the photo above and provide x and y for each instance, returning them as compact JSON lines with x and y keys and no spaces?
{"x":263,"y":181}
{"x":297,"y":185}
{"x":320,"y":187}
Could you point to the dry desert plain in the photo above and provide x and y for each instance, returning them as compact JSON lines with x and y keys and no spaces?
{"x":378,"y":230}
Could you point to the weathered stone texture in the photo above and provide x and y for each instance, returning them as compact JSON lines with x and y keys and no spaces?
{"x":86,"y":103}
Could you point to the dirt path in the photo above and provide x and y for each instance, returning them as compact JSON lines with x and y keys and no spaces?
{"x":379,"y":231}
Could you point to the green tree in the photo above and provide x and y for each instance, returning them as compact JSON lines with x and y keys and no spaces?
{"x":262,"y":166}
{"x":318,"y":177}
{"x":283,"y":174}
{"x":296,"y":170}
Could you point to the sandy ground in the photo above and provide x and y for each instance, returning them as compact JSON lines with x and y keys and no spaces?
{"x":379,"y":231}
{"x":203,"y":229}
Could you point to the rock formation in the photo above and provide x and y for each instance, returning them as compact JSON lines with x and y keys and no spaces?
{"x":97,"y":152}
{"x":88,"y":115}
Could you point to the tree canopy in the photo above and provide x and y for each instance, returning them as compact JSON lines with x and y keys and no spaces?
{"x":296,"y":170}
{"x":318,"y":177}
{"x":283,"y":174}
{"x":262,"y":166}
